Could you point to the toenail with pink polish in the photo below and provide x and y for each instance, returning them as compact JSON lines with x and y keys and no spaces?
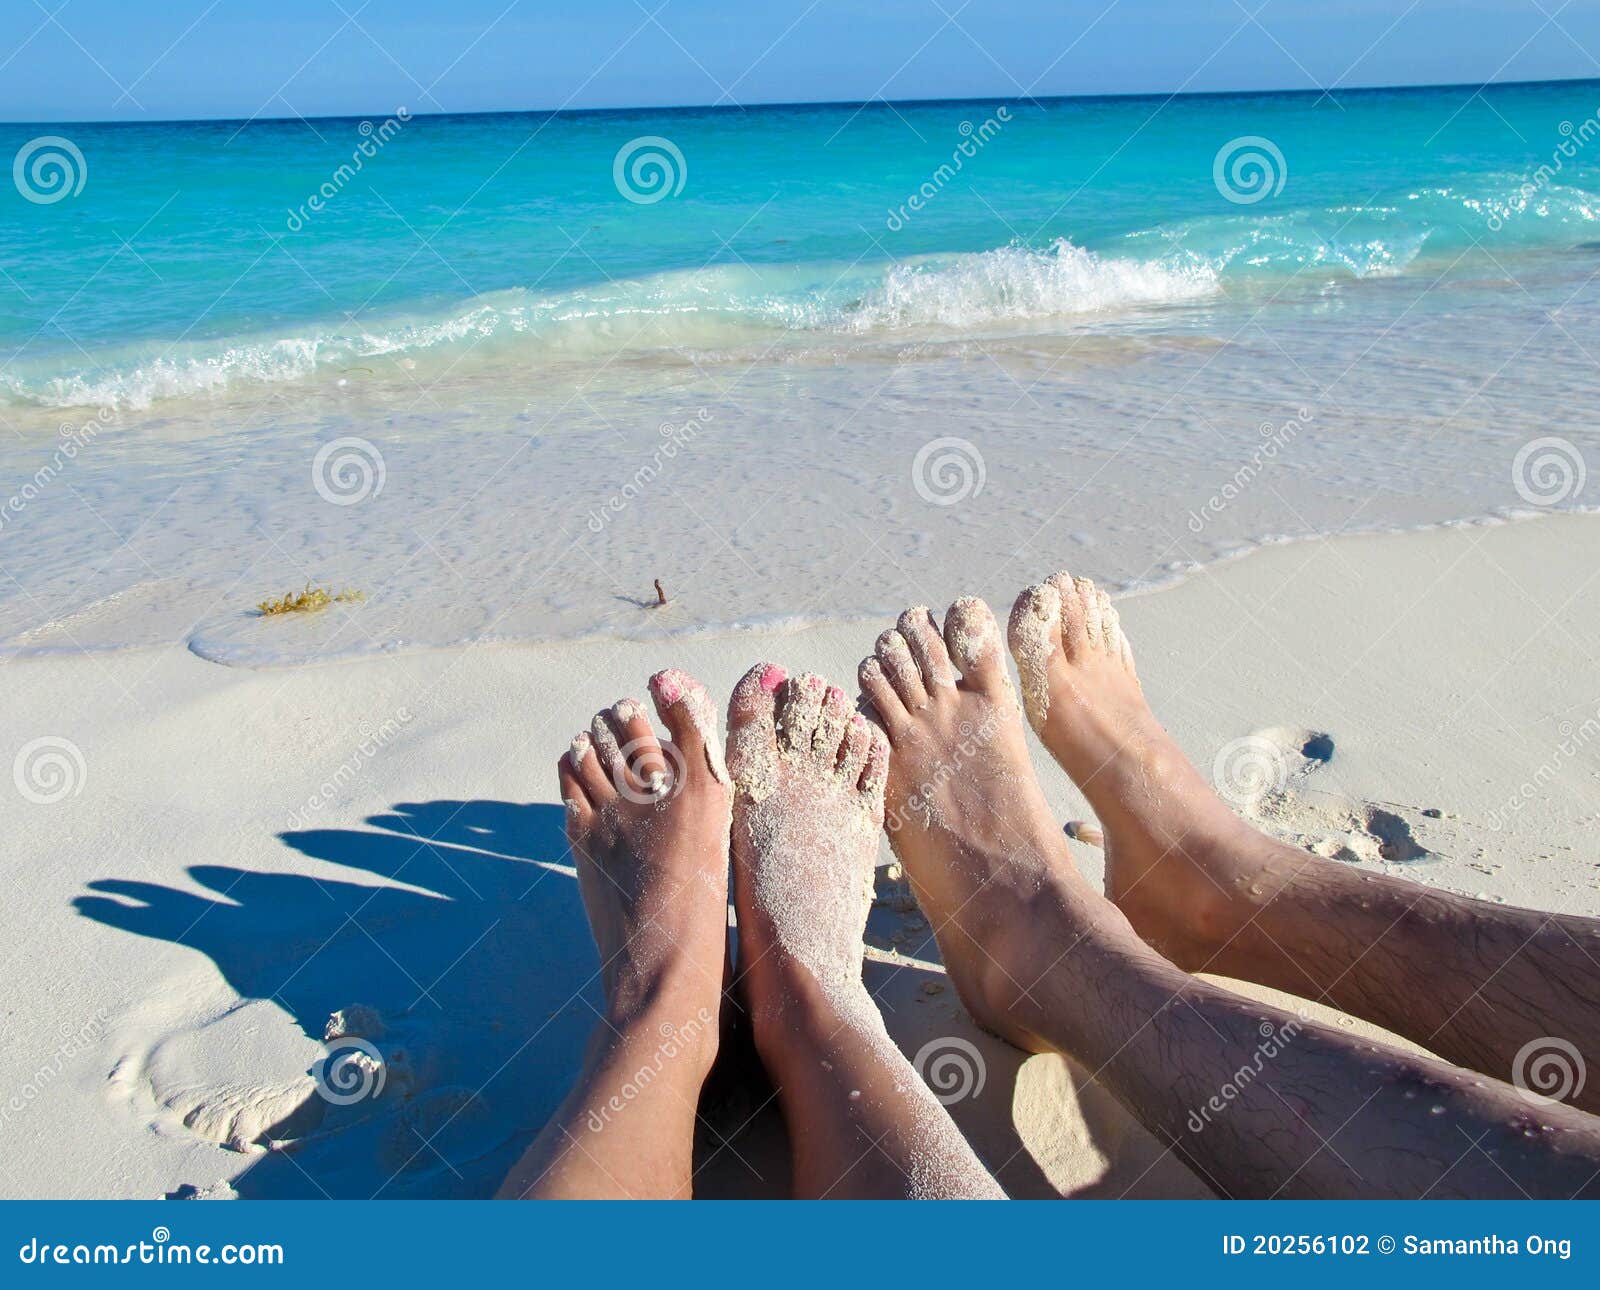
{"x":772,"y":676}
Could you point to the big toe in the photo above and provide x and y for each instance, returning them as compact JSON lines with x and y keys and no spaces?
{"x":1035,"y":634}
{"x":800,"y":713}
{"x":973,"y":639}
{"x":685,"y":708}
{"x":752,"y":730}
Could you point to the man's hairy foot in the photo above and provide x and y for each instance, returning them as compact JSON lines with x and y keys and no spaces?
{"x":648,"y":824}
{"x":967,"y":819}
{"x":1179,"y":863}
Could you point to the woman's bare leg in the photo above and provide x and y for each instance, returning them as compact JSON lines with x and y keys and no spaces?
{"x":808,"y":807}
{"x":1259,"y":1101}
{"x":649,"y":829}
{"x":1514,"y":993}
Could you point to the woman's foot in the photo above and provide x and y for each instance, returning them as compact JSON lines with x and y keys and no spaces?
{"x":808,"y":773}
{"x":648,"y":822}
{"x":809,"y":777}
{"x":968,"y":821}
{"x":1183,"y":867}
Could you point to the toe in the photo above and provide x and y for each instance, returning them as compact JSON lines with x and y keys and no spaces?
{"x":1110,"y":624}
{"x":1090,"y":595}
{"x":608,"y":740}
{"x":1073,"y":638}
{"x":973,"y":639}
{"x":588,"y":771}
{"x":799,"y":710}
{"x":752,"y":733}
{"x":853,"y":753}
{"x":580,"y":810}
{"x":927,"y":648}
{"x":881,"y":695}
{"x":831,"y":723}
{"x":640,"y":751}
{"x":685,"y":708}
{"x":1035,"y":632}
{"x":875,"y":773}
{"x":901,"y":669}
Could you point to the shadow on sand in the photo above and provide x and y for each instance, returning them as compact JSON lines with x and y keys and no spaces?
{"x":482,"y":975}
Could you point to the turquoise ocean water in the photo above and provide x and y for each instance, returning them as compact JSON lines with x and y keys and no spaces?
{"x":898,"y":352}
{"x":191,"y":259}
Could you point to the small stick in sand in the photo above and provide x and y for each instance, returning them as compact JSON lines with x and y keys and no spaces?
{"x":661,"y":596}
{"x":1083,"y":831}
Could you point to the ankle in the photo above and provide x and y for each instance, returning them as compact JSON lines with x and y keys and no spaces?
{"x":672,"y":1010}
{"x":1074,"y":949}
{"x":794,"y":1018}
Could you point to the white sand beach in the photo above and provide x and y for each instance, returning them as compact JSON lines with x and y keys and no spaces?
{"x":205,"y":863}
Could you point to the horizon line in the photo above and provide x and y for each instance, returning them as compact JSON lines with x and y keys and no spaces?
{"x":857,"y":104}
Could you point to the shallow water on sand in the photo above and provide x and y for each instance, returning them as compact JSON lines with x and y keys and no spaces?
{"x":510,"y":509}
{"x":502,"y":400}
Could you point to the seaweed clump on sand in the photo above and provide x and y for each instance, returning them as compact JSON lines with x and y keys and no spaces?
{"x":308,"y":601}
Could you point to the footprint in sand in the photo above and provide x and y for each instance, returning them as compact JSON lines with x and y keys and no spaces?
{"x":1277,"y":778}
{"x":249,"y":1079}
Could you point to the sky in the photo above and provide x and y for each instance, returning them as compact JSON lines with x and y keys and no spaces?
{"x":147,"y":60}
